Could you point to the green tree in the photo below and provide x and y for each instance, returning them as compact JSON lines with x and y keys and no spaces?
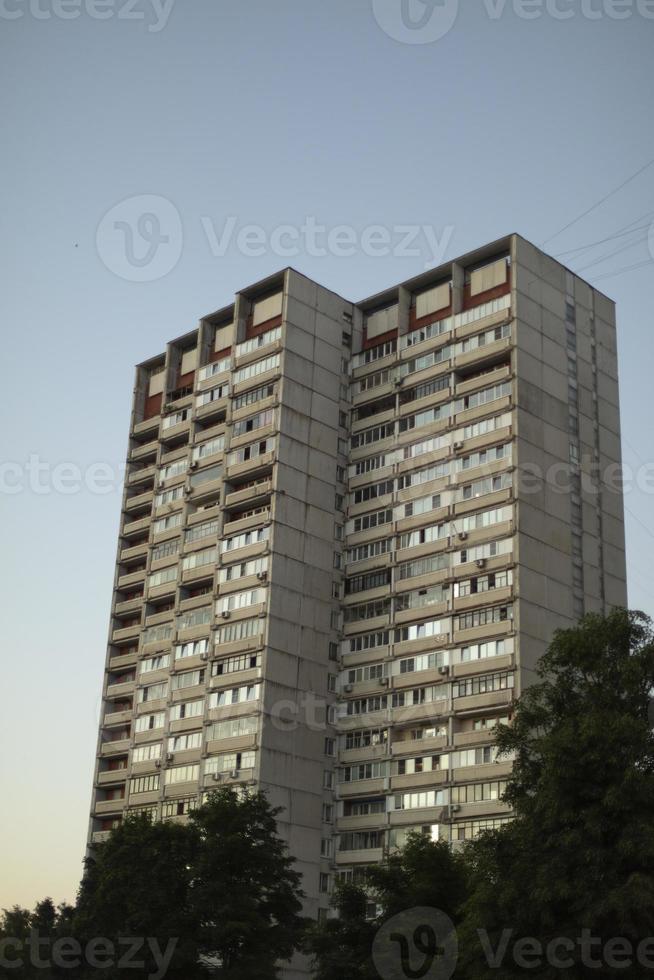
{"x":424,"y":874}
{"x":137,"y":884}
{"x":579,"y":853}
{"x":246,"y":894}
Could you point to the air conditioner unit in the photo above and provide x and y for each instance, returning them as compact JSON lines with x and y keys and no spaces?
{"x":262,"y":576}
{"x":481,"y":563}
{"x":455,"y":808}
{"x":169,"y":757}
{"x":458,"y":444}
{"x":216,"y":776}
{"x":348,"y":688}
{"x":234,"y":774}
{"x":225,"y":614}
{"x":463,"y":535}
{"x":193,"y":465}
{"x":383,"y":681}
{"x":204,"y":656}
{"x":158,"y":764}
{"x":188,"y":490}
{"x":444,"y":669}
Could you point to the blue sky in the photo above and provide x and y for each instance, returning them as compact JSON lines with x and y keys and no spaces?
{"x":247,"y":113}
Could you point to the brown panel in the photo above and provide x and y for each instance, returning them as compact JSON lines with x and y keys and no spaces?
{"x":469,"y":302}
{"x":252,"y":331}
{"x":218,"y":355}
{"x":379,"y":340}
{"x":152,"y":406}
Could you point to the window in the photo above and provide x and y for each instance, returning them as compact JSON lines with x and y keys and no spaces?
{"x":419,"y":631}
{"x":230,"y":762}
{"x":373,"y":491}
{"x":422,"y":505}
{"x":166,"y":523}
{"x":482,"y":651}
{"x":419,"y":695}
{"x":216,"y":367}
{"x":253,"y":422}
{"x":326,"y":847}
{"x":374,"y":519}
{"x":173,"y":469}
{"x":196,"y":617}
{"x":330,"y":746}
{"x":331,"y":683}
{"x":253,"y":396}
{"x":163,"y":576}
{"x":210,"y":448}
{"x":416,"y":764}
{"x":242,"y":630}
{"x":420,"y":801}
{"x":235,"y":695}
{"x":144,"y":753}
{"x":362,"y":840}
{"x":199,"y":558}
{"x":469,"y":829}
{"x":232,"y":665}
{"x":424,"y":566}
{"x":364,"y":808}
{"x":374,"y":434}
{"x":246,"y":539}
{"x":258,"y":367}
{"x":188,"y":709}
{"x":153,"y":692}
{"x":425,"y":661}
{"x":261,"y":340}
{"x":240,"y":600}
{"x":178,"y":808}
{"x":233,"y":728}
{"x":328,"y":813}
{"x":155,"y":663}
{"x":368,"y":672}
{"x":486,"y":395}
{"x":212,"y":395}
{"x":364,"y":770}
{"x":374,"y":353}
{"x":483,"y":457}
{"x":483,"y":339}
{"x":175,"y":418}
{"x":363,"y":738}
{"x":182,"y":774}
{"x":148,"y":723}
{"x":168,"y":496}
{"x":256,"y":566}
{"x":489,"y":484}
{"x":199,"y":531}
{"x":479,"y":792}
{"x":368,"y":641}
{"x":165,"y":549}
{"x":375,"y":380}
{"x":144,"y":784}
{"x":183,"y":743}
{"x":425,"y":361}
{"x":424,"y":535}
{"x":370,"y":550}
{"x":436,"y":472}
{"x":367,"y":610}
{"x":324,"y":883}
{"x":429,"y":415}
{"x":328,"y":779}
{"x":194,"y":649}
{"x":483,"y":684}
{"x":483,"y":617}
{"x":363,"y":706}
{"x":426,"y":333}
{"x":371,"y":580}
{"x":206,"y":475}
{"x":190,"y":678}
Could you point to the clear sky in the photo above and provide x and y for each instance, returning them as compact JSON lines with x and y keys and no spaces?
{"x":246,"y":112}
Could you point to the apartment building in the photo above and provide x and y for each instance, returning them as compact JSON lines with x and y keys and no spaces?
{"x":348,"y":534}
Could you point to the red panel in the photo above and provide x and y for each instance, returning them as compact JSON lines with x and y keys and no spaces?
{"x":469,"y":302}
{"x":152,"y":406}
{"x":252,"y":331}
{"x":378,"y":341}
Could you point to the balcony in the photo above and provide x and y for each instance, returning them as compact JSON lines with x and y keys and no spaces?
{"x":126,"y":633}
{"x":114,"y":718}
{"x":134,"y":552}
{"x":131,"y":578}
{"x":124,"y":689}
{"x":109,"y":806}
{"x":127,"y":606}
{"x":144,"y":451}
{"x":139,"y":502}
{"x":120,"y":746}
{"x":100,"y":836}
{"x":134,"y":529}
{"x":109,"y":776}
{"x":146,"y":425}
{"x":142,"y":474}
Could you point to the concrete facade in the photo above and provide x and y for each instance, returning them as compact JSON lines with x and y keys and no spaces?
{"x":349,"y":532}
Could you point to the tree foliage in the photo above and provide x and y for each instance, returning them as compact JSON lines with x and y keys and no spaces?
{"x":579,"y":853}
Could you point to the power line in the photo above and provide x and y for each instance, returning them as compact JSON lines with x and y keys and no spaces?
{"x":597,"y":203}
{"x":628,"y":268}
{"x":627,"y":230}
{"x":616,"y":251}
